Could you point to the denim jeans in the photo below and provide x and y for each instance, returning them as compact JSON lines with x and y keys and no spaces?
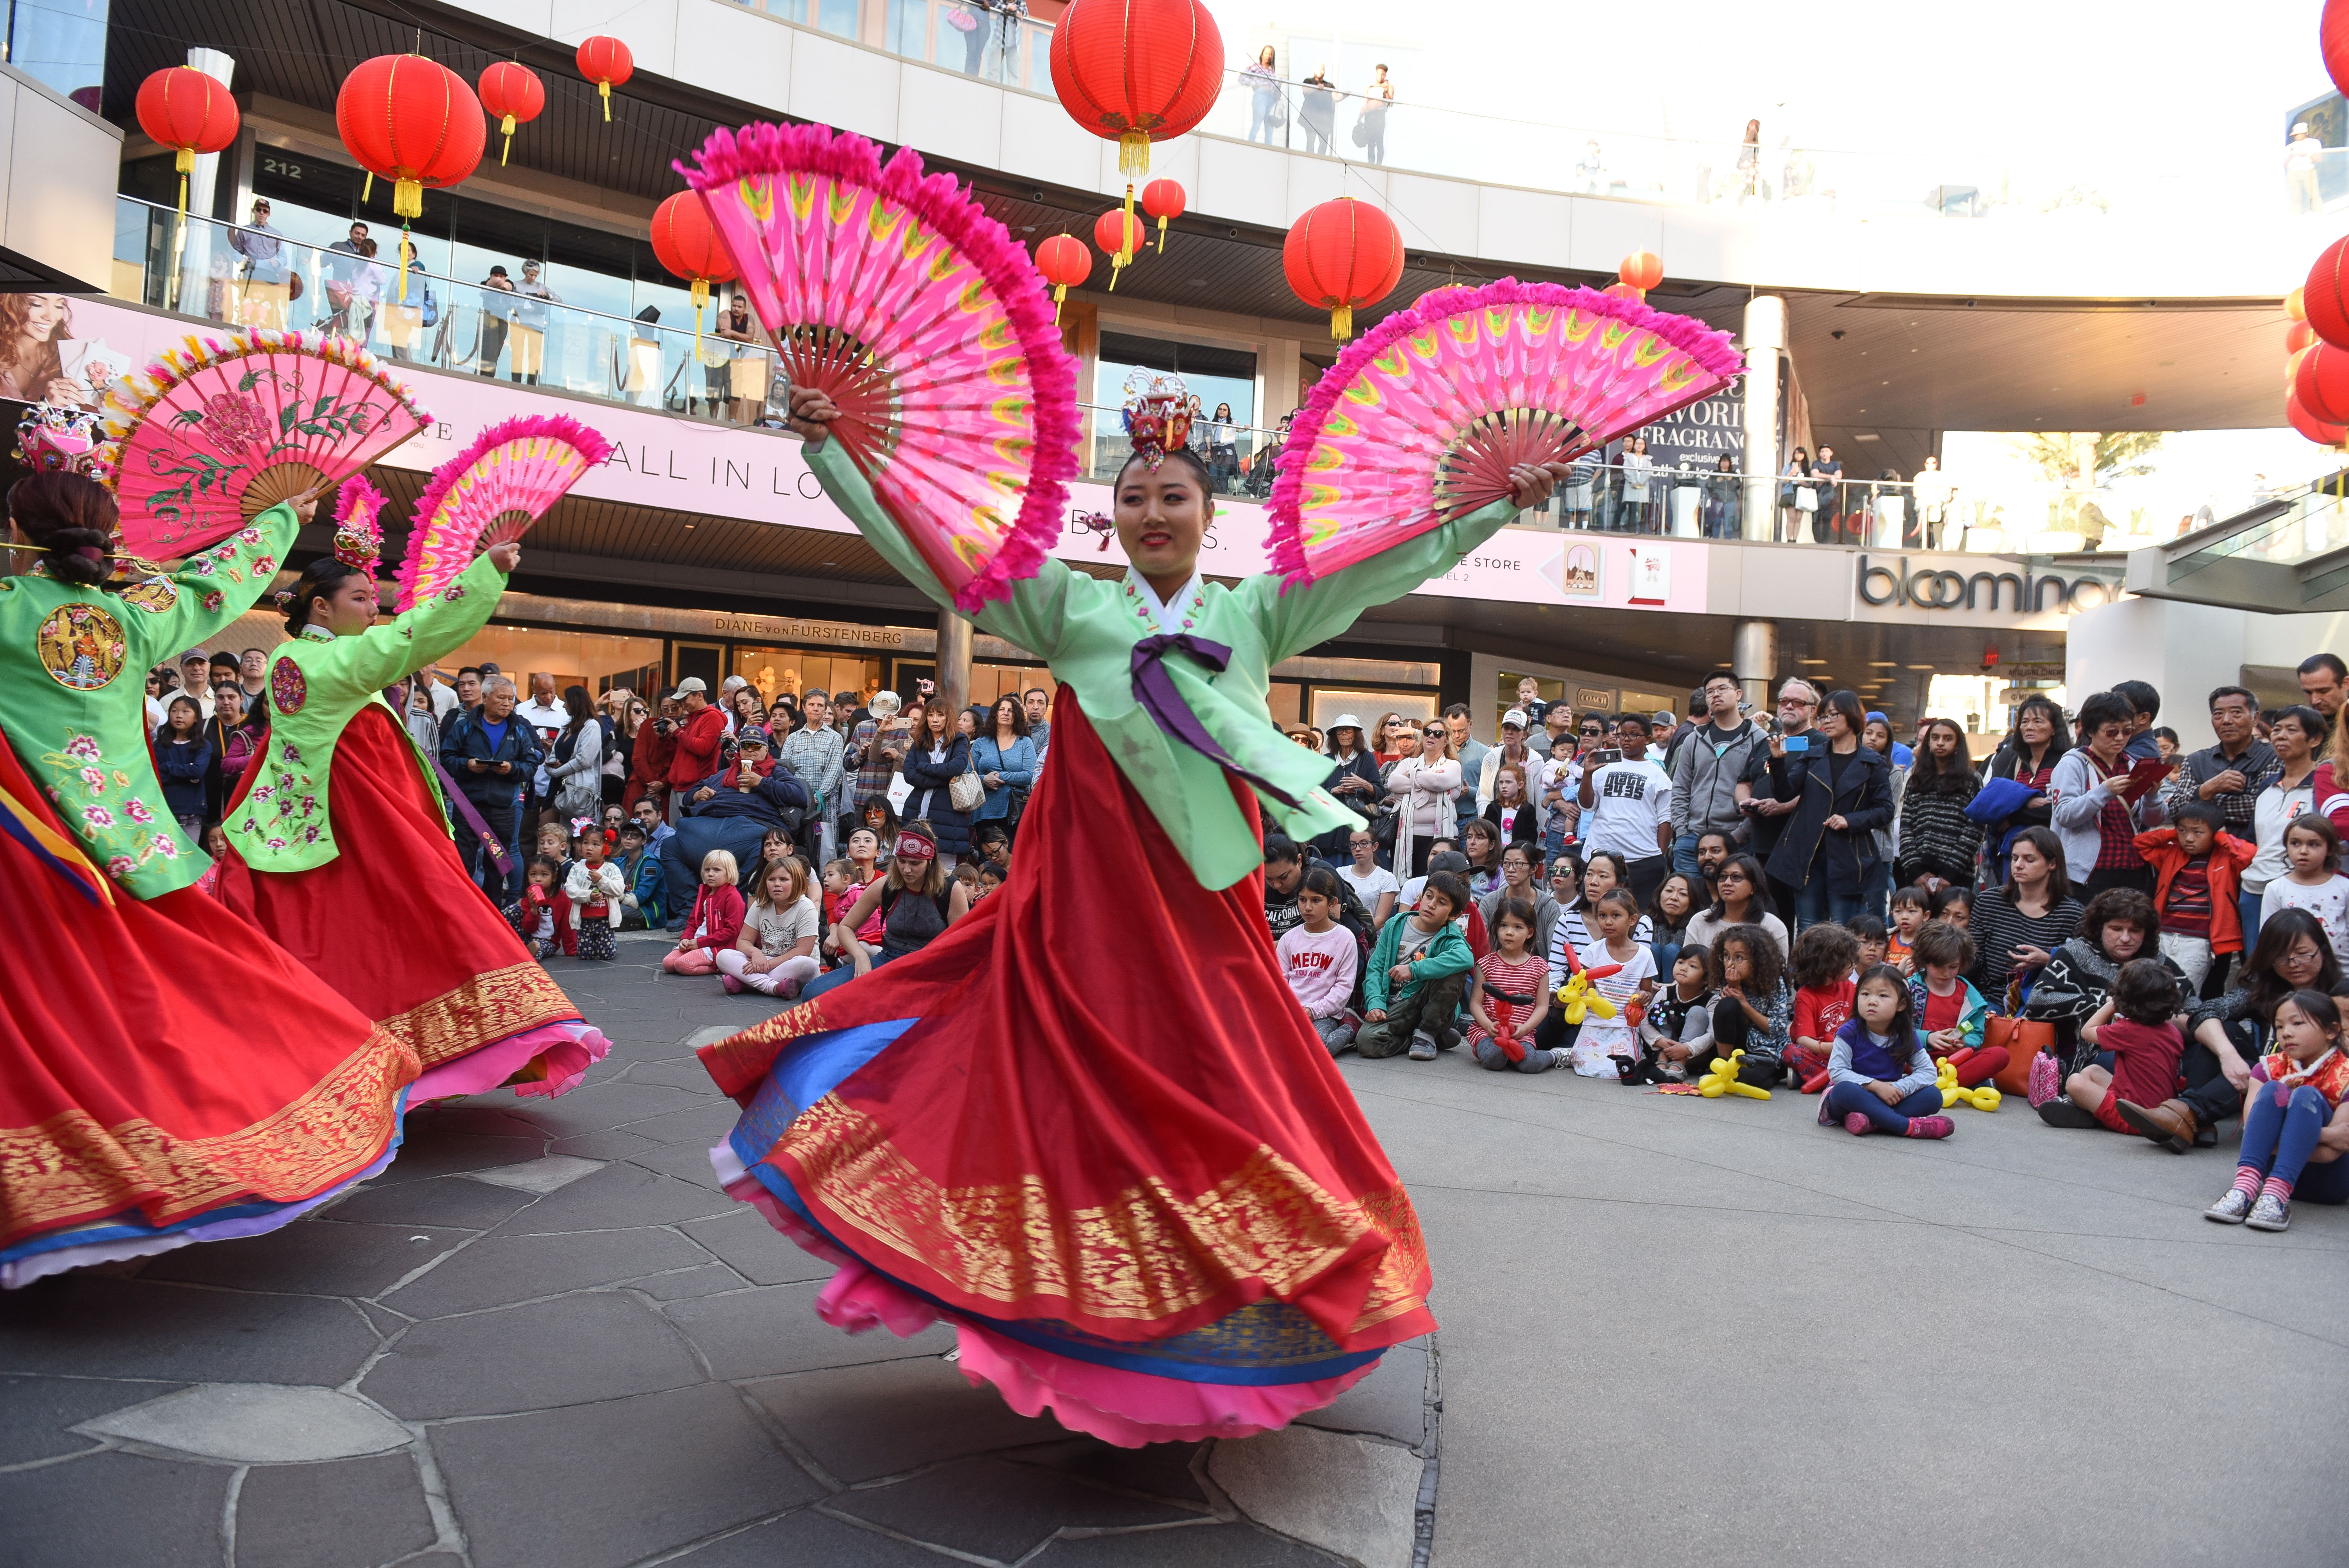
{"x":1685,"y":855}
{"x":2278,"y":1140}
{"x":1843,"y":1098}
{"x":1816,"y":903}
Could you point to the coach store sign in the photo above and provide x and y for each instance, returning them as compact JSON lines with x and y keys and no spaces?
{"x":1973,"y":589}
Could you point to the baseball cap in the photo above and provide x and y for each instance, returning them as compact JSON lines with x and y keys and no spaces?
{"x":690,"y":684}
{"x":1666,"y":718}
{"x":1515,"y":716}
{"x":1875,"y":718}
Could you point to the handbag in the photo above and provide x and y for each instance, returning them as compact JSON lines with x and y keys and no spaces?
{"x":431,"y":308}
{"x":961,"y":21}
{"x":2023,"y":1039}
{"x":1806,"y":498}
{"x":1361,"y":134}
{"x":965,"y":792}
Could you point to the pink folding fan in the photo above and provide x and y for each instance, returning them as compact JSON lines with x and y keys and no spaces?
{"x":490,"y":492}
{"x":1420,"y":421}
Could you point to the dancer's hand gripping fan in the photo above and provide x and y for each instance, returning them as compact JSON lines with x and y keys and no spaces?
{"x":898,"y":298}
{"x":1422,"y":419}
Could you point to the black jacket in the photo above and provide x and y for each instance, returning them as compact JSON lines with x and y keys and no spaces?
{"x":1806,"y":846}
{"x":1524,"y":832}
{"x":952,"y":827}
{"x":467,"y":740}
{"x":778,"y":801}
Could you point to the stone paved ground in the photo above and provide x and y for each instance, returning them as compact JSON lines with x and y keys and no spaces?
{"x":1675,"y":1332}
{"x":544,"y":1338}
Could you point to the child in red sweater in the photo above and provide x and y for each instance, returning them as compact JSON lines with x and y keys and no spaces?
{"x":1824,"y":991}
{"x":716,"y":921}
{"x":2199,"y":870}
{"x":542,"y":915}
{"x":2145,"y":1045}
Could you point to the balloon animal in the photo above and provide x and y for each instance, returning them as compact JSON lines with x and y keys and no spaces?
{"x":1579,"y":997}
{"x":1985,"y":1098}
{"x":1721,"y":1078}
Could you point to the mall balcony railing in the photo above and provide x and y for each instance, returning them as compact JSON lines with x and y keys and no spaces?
{"x":448,"y":323}
{"x":2303,"y":529}
{"x":1014,"y":51}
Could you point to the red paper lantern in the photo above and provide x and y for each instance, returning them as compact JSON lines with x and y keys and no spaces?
{"x":1137,"y":71}
{"x":1164,"y":199}
{"x":2297,"y":337}
{"x":1118,"y":234}
{"x":2321,"y":383}
{"x":2308,"y":425}
{"x":1643,"y":270}
{"x":184,"y":109}
{"x":2293,"y":308}
{"x":2333,"y":38}
{"x":512,"y":92}
{"x":1341,"y":255}
{"x":1065,"y":263}
{"x":2325,"y":296}
{"x":1625,"y":291}
{"x":412,"y":121}
{"x":685,"y":241}
{"x":605,"y":61}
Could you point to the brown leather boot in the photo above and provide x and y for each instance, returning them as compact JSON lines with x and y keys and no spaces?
{"x":2170,"y":1124}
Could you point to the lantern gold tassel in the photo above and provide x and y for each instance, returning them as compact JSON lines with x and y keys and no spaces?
{"x":700,"y":300}
{"x":367,"y":191}
{"x":506,"y":127}
{"x":605,"y":88}
{"x":407,"y":198}
{"x":1060,"y":293}
{"x":1341,"y":322}
{"x":1133,"y":157}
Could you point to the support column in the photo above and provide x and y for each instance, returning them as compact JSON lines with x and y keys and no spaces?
{"x":1754,"y":659}
{"x":1765,"y":340}
{"x":954,"y":662}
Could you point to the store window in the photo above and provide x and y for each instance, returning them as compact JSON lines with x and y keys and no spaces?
{"x":780,"y":671}
{"x":988,"y":682}
{"x":596,"y":660}
{"x":1328,"y":702}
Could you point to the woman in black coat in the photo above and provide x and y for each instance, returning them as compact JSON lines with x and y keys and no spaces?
{"x":940,"y":756}
{"x":1353,"y":778}
{"x":1843,"y":792}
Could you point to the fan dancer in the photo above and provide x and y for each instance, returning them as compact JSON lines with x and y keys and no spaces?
{"x":1142,"y":1194}
{"x":146,"y":1103}
{"x":339,"y":840}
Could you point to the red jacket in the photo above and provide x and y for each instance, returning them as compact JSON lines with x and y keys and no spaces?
{"x":523,"y":913}
{"x":697,"y":749}
{"x":2326,"y":791}
{"x":725,"y":909}
{"x":2228,"y":856}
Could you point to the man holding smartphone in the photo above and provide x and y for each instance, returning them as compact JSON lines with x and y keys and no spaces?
{"x":1627,"y":799}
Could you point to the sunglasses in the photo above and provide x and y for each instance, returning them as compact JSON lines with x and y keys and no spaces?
{"x":1592,"y":734}
{"x":1433,"y":734}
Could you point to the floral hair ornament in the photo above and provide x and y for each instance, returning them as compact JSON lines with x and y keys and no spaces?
{"x":1156,"y":416}
{"x":358,"y":524}
{"x":913,"y":847}
{"x":53,"y":438}
{"x":579,"y":826}
{"x":282,"y":599}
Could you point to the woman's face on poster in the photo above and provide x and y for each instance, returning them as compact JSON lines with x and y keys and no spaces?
{"x":44,"y":313}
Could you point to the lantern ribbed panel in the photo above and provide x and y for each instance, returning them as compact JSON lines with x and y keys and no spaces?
{"x":685,"y":243}
{"x":186,"y":110}
{"x":2325,"y":296}
{"x":1341,"y":255}
{"x":1137,"y":71}
{"x":1064,"y":261}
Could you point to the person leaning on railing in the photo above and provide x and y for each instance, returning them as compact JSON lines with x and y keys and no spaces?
{"x":1723,"y":515}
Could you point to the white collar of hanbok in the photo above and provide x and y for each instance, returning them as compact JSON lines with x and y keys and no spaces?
{"x":1161,"y":614}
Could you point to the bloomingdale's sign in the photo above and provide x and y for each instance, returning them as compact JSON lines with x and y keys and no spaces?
{"x":2016,"y":591}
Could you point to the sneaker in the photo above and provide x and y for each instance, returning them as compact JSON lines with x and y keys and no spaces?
{"x":785,"y":989}
{"x":733,"y":987}
{"x":1931,"y":1127}
{"x":1557,"y":1056}
{"x":1422,"y":1048}
{"x":2061,"y":1112}
{"x":1447,"y":1039}
{"x":2047,"y":1083}
{"x":2270,"y":1213}
{"x":1858,"y":1125}
{"x":2230,"y":1209}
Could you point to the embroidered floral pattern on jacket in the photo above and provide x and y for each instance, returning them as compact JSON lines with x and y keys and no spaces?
{"x":122,"y":832}
{"x":154,"y":595}
{"x":81,"y":646}
{"x":283,"y":809}
{"x":287,"y":688}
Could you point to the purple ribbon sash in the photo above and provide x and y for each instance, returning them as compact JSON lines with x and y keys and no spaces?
{"x":1155,"y":689}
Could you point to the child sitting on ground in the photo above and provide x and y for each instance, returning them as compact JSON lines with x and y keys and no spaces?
{"x":2313,"y":846}
{"x":1601,"y":1041}
{"x":2146,"y":1044}
{"x":1677,"y":1024}
{"x":715,"y":922}
{"x":1754,"y":1007}
{"x":594,"y":889}
{"x":1912,"y":907}
{"x":2294,"y":1091}
{"x":640,"y":907}
{"x":1822,"y":969}
{"x":554,"y":843}
{"x":775,"y":953}
{"x":1880,"y":1076}
{"x":542,"y":915}
{"x":2198,"y":868}
{"x":992,"y":877}
{"x":1875,"y":942}
{"x":1510,"y":996}
{"x":1418,"y":971}
{"x":1954,"y":905}
{"x":1321,"y":959}
{"x":1950,"y":1013}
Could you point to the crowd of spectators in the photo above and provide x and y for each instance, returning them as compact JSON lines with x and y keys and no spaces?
{"x":2129,"y":935}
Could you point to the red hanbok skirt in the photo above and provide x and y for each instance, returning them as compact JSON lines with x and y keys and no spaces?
{"x":1089,"y":1126}
{"x":168,"y":1075}
{"x":398,"y":929}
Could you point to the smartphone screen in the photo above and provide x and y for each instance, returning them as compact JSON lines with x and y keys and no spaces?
{"x":1798,"y":743}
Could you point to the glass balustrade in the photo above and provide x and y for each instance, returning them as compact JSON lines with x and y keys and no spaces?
{"x":2294,"y":526}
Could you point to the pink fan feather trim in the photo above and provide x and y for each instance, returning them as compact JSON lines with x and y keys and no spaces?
{"x":359,"y":497}
{"x":1711,"y":350}
{"x":591,"y":444}
{"x":1009,"y":272}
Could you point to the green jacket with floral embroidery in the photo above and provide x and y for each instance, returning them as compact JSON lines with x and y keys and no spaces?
{"x":73,"y":669}
{"x":1086,"y":630}
{"x":317,"y":684}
